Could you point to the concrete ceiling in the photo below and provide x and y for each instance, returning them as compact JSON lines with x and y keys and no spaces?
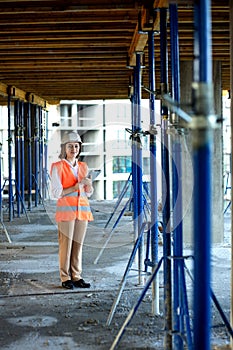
{"x":53,"y":49}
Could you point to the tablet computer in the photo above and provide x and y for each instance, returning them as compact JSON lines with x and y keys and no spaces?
{"x":92,"y":174}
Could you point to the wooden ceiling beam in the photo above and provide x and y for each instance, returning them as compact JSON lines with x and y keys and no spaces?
{"x":58,"y":49}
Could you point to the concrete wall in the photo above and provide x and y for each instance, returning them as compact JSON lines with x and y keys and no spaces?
{"x":217,"y":163}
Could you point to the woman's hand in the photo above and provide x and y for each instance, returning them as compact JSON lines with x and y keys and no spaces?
{"x":76,"y":186}
{"x":87,"y":183}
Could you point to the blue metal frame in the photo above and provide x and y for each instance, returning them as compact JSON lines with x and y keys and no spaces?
{"x":21,"y":146}
{"x":134,"y":152}
{"x":180,"y":300}
{"x":153,"y":173}
{"x":29,"y":149}
{"x":137,"y":162}
{"x":45,"y":155}
{"x":10,"y":188}
{"x":137,"y":244}
{"x":165,"y":182}
{"x":136,"y":306}
{"x":41,"y":152}
{"x":17,"y":154}
{"x":202,"y":156}
{"x":37,"y":152}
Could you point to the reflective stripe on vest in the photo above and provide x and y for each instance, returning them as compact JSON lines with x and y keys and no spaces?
{"x":74,"y":205}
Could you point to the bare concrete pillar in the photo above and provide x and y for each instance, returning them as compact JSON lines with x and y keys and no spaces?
{"x":186,"y":75}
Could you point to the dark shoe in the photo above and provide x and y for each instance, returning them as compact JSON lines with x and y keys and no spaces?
{"x":67,"y":284}
{"x":81,"y":284}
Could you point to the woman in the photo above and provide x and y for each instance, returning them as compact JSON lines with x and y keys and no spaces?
{"x":71,"y":187}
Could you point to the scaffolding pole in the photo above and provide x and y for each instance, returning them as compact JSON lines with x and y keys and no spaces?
{"x":137,"y":168}
{"x":165,"y":183}
{"x":29,"y":155}
{"x":21,"y":147}
{"x":180,"y":301}
{"x":36,"y":139}
{"x":202,"y":125}
{"x":17,"y":154}
{"x":153,"y":177}
{"x":10,"y":188}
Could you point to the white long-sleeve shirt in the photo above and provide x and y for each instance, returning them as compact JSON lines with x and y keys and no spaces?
{"x":56,"y":185}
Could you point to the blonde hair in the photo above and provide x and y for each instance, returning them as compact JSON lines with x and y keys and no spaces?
{"x":62,"y":154}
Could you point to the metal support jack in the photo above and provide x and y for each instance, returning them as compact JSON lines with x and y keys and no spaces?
{"x":202,"y":126}
{"x":165,"y":182}
{"x":29,"y":155}
{"x":1,"y":214}
{"x":137,"y":304}
{"x":122,"y":194}
{"x":180,"y":301}
{"x":138,"y":242}
{"x":128,"y":204}
{"x":135,"y":307}
{"x":153,"y":176}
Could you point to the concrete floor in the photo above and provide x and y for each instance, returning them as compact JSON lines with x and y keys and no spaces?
{"x":37,"y":313}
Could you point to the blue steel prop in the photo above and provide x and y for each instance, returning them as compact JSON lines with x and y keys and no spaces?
{"x":138,"y":193}
{"x":112,"y":231}
{"x":153,"y":234}
{"x":202,"y":156}
{"x":127,"y":205}
{"x":135,"y":307}
{"x":121,"y":196}
{"x":10,"y":187}
{"x":137,"y":244}
{"x":165,"y":182}
{"x":35,"y":175}
{"x":147,"y":262}
{"x":29,"y":154}
{"x":216,"y":303}
{"x":41,"y":152}
{"x":38,"y":156}
{"x":135,"y":136}
{"x":17,"y":193}
{"x":1,"y":190}
{"x":45,"y":177}
{"x":134,"y":151}
{"x":137,"y":304}
{"x":180,"y":300}
{"x":137,"y":183}
{"x":21,"y":146}
{"x":17,"y":153}
{"x":227,"y":187}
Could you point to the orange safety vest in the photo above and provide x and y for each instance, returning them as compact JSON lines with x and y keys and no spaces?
{"x":74,"y":205}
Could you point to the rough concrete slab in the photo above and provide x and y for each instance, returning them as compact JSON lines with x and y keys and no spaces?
{"x":37,"y":313}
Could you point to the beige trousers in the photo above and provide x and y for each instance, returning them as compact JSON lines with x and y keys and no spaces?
{"x":71,"y":235}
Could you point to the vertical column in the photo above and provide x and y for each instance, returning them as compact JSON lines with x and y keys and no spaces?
{"x":41,"y":149}
{"x":29,"y":154}
{"x":45,"y":153}
{"x":134,"y":156}
{"x":36,"y":152}
{"x":165,"y":182}
{"x":176,"y":183}
{"x":17,"y":155}
{"x":139,"y":198}
{"x":21,"y":147}
{"x":202,"y":144}
{"x":153,"y":176}
{"x":10,"y":191}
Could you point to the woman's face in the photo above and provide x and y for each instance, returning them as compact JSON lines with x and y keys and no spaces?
{"x":72,"y":149}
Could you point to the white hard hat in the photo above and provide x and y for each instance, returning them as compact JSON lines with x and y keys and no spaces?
{"x":71,"y":137}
